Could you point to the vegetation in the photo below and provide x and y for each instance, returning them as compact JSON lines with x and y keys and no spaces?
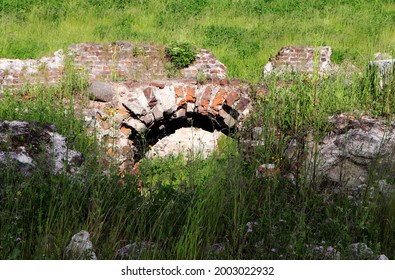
{"x":181,"y":55}
{"x":243,"y":34}
{"x":187,"y":207}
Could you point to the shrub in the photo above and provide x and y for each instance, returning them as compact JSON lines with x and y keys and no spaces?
{"x":181,"y":54}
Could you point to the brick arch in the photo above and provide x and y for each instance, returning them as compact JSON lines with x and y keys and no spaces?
{"x":152,"y":110}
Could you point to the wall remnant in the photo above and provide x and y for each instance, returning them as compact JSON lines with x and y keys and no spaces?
{"x":300,"y":59}
{"x":118,"y":61}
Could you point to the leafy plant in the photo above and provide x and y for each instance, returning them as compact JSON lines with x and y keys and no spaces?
{"x":181,"y":55}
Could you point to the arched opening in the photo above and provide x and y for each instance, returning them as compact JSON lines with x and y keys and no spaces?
{"x":169,"y":125}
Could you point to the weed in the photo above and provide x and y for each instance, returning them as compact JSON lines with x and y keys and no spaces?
{"x":181,"y":55}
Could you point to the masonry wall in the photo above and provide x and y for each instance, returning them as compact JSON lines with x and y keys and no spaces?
{"x":300,"y":59}
{"x":116,"y":61}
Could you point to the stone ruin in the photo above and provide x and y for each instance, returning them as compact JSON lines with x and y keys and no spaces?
{"x":133,"y":95}
{"x":300,"y":59}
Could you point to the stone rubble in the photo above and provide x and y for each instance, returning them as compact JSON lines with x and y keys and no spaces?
{"x":136,"y":250}
{"x":80,"y":247}
{"x":21,"y":143}
{"x":349,"y":152}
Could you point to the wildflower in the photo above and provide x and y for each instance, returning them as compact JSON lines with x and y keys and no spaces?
{"x":19,"y":193}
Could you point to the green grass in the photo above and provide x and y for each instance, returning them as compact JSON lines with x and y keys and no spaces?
{"x":186,"y":207}
{"x":256,"y":31}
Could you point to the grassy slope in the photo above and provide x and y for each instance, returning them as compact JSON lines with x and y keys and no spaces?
{"x":243,"y":34}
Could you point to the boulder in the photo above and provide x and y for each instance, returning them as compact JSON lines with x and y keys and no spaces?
{"x":101,"y":91}
{"x":80,"y":247}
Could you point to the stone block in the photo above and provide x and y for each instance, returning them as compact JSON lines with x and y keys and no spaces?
{"x":157,"y":112}
{"x":101,"y":91}
{"x":138,"y":105}
{"x":227,"y":119}
{"x":135,"y":124}
{"x":167,"y":100}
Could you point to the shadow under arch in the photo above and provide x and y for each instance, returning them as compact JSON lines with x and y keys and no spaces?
{"x":168,"y":125}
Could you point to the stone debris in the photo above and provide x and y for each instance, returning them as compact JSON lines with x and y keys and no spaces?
{"x":136,"y":250}
{"x":21,"y":143}
{"x":384,"y":65}
{"x":80,"y":247}
{"x":101,"y":91}
{"x":349,"y":152}
{"x":382,"y":258}
{"x":324,"y":252}
{"x":360,"y":251}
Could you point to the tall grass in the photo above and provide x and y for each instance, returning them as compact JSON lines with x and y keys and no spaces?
{"x":187,"y":207}
{"x":258,"y":29}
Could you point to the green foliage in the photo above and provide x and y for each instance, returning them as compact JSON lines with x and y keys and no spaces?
{"x":181,"y":55}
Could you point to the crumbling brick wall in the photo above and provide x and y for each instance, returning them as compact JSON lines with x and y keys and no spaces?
{"x":300,"y":59}
{"x":116,"y":61}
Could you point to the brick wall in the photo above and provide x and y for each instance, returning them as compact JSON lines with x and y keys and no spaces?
{"x":116,"y":61}
{"x":300,"y":59}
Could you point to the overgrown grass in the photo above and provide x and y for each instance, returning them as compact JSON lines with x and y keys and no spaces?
{"x":257,"y":30}
{"x":186,"y":207}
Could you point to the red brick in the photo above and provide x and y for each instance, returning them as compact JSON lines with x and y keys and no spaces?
{"x":219,"y":97}
{"x":242,"y":104}
{"x":191,"y":96}
{"x":235,"y":82}
{"x":182,"y":103}
{"x":205,"y":101}
{"x":125,"y":130}
{"x":231,"y":98}
{"x":223,"y":82}
{"x":179,"y":91}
